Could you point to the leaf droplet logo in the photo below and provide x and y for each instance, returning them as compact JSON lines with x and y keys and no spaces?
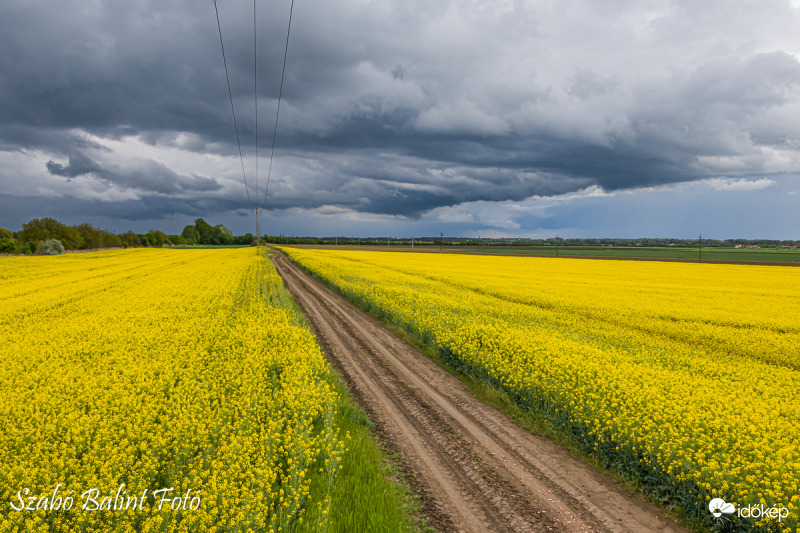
{"x":718,"y":507}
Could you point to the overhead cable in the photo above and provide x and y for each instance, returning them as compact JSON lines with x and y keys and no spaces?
{"x":230,"y":96}
{"x":280,"y":94}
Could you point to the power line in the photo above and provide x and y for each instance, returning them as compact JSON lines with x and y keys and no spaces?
{"x":255,"y":98}
{"x":230,"y":96}
{"x":255,"y":94}
{"x":280,"y":93}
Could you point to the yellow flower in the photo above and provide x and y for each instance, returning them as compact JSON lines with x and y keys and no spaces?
{"x":154,"y":369}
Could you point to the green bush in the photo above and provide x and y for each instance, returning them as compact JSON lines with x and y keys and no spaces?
{"x":7,"y":246}
{"x":50,"y":247}
{"x":26,"y":248}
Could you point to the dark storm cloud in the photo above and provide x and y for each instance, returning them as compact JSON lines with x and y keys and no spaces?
{"x":374,"y":182}
{"x":122,"y":65}
{"x":406,"y":106}
{"x":78,"y":165}
{"x":15,"y":137}
{"x":75,"y":210}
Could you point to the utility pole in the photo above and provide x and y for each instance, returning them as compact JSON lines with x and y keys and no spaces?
{"x":258,"y":233}
{"x":441,"y":242}
{"x":412,"y":243}
{"x":700,"y":246}
{"x":557,"y":245}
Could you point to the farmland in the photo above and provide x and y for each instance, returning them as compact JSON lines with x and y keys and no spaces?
{"x":173,"y":390}
{"x":679,"y":376}
{"x":781,"y":256}
{"x":708,"y":254}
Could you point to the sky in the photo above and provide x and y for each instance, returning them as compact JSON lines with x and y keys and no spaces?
{"x":495,"y":118}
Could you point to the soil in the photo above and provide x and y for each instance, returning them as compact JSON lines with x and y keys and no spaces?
{"x":472,"y":467}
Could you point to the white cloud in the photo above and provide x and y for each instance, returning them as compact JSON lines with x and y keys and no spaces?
{"x":455,"y":215}
{"x":741,"y":184}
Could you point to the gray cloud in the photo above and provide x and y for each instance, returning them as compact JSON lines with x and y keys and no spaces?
{"x":75,"y":210}
{"x":78,"y":165}
{"x":404,"y":107}
{"x":588,"y":84}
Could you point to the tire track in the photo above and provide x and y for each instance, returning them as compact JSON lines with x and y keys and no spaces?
{"x":486,"y":474}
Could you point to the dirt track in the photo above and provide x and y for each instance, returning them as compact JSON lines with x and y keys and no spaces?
{"x":473,"y":468}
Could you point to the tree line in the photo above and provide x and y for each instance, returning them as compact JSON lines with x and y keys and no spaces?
{"x":201,"y":232}
{"x":48,"y":235}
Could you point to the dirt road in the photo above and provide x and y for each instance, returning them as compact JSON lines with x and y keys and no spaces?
{"x":474,"y":469}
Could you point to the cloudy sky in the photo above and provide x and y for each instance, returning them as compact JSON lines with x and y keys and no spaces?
{"x":620,"y":118}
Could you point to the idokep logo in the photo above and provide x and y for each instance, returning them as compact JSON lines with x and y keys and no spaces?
{"x":720,"y":507}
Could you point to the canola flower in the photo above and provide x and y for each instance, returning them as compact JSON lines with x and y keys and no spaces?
{"x":143,"y":370}
{"x":683,"y":376}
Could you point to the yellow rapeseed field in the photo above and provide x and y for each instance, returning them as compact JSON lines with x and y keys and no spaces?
{"x":139,"y":379}
{"x":682,"y":376}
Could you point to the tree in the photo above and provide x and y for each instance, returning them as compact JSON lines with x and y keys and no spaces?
{"x":49,"y":228}
{"x":156,"y":237}
{"x":129,"y":238}
{"x":190,"y":234}
{"x":205,"y":232}
{"x":246,"y":239}
{"x":37,"y":230}
{"x":96,"y":238}
{"x":223,"y":235}
{"x":6,"y":234}
{"x":224,"y":230}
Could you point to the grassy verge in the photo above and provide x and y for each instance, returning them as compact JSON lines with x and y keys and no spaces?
{"x":367,"y":492}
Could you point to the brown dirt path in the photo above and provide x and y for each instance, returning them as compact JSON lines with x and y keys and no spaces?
{"x":474,"y":469}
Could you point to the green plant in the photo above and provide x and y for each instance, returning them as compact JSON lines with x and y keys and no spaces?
{"x":49,"y":247}
{"x":7,"y":246}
